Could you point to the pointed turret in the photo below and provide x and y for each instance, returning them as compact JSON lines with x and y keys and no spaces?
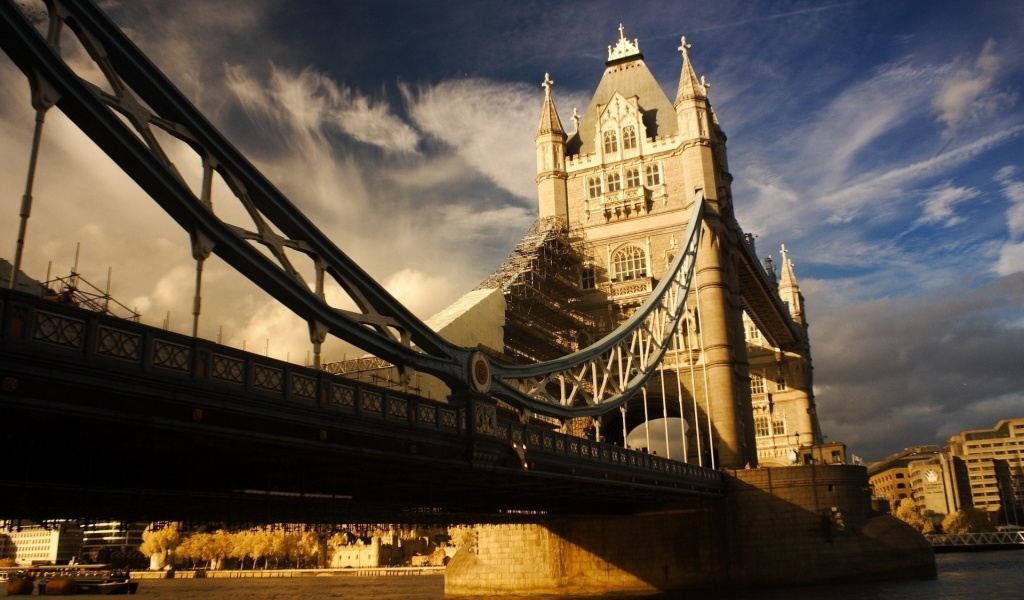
{"x":689,"y":86}
{"x":691,"y":102}
{"x":551,"y":174}
{"x":549,"y":121}
{"x":789,"y":291}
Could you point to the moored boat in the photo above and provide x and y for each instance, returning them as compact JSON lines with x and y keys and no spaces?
{"x":62,"y":580}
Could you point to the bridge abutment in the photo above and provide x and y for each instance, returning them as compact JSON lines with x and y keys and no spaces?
{"x":776,"y":526}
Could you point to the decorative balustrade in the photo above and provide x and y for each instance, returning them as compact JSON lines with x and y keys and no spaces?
{"x":630,"y":201}
{"x":67,"y":338}
{"x":632,"y":289}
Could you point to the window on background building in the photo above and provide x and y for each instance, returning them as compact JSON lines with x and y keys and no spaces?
{"x":780,"y":384}
{"x":632,"y":178}
{"x":756,"y":383}
{"x":761,"y":426}
{"x":753,"y":333}
{"x":611,"y":142}
{"x":629,"y":138}
{"x":630,"y":263}
{"x":653,"y":175}
{"x":594,"y":187}
{"x":778,"y":425}
{"x":588,"y":278}
{"x":614,"y":182}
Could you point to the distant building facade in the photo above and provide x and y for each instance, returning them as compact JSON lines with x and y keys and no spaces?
{"x":940,"y":484}
{"x":890,"y":478}
{"x":55,"y":543}
{"x":994,"y":461}
{"x":100,"y":539}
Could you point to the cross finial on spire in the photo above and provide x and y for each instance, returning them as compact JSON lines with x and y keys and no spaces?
{"x":548,"y":82}
{"x":683,"y":46}
{"x":784,"y":253}
{"x":575,"y":119}
{"x":623,"y":48}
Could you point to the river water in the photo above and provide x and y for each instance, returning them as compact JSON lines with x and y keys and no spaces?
{"x":962,"y":576}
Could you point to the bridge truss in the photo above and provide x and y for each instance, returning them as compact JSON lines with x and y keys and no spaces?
{"x":135,"y":106}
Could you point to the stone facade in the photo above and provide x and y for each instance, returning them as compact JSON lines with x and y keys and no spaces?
{"x":625,"y":180}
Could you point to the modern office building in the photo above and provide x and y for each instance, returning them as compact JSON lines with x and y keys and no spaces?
{"x":995,"y":466}
{"x":49,"y":543}
{"x":890,"y":477}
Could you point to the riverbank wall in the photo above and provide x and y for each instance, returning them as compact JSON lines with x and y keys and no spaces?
{"x":775,"y":526}
{"x":283,"y":573}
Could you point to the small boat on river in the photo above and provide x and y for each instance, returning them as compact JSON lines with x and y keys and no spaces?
{"x":63,"y":580}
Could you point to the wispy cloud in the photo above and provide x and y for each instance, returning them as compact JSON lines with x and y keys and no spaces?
{"x":970,"y":91}
{"x":489,"y":125}
{"x":939,"y":208}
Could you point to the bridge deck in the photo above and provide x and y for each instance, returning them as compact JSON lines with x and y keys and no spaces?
{"x":106,"y":416}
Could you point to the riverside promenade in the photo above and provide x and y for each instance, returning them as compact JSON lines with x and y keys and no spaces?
{"x":284,"y":573}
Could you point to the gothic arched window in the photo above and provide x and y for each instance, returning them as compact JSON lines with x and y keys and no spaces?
{"x":632,"y":178}
{"x":756,"y":383}
{"x":753,"y":333}
{"x":778,"y":425}
{"x":629,"y":138}
{"x":653,"y":175}
{"x":630,"y":263}
{"x":611,"y":142}
{"x":761,"y":426}
{"x":588,"y":277}
{"x":594,"y":187}
{"x":614,"y":182}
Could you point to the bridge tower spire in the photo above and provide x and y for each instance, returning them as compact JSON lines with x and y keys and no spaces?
{"x":789,"y":291}
{"x":550,"y":142}
{"x":718,"y":290}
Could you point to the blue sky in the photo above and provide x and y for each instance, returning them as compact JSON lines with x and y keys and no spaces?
{"x":881,"y":141}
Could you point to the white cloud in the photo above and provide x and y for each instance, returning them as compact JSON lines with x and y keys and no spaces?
{"x":968,"y":87}
{"x":420,"y":291}
{"x":1011,"y":259}
{"x":273,"y":330}
{"x":940,"y":204}
{"x":468,"y":223}
{"x":848,"y":201}
{"x":312,"y":104}
{"x":489,"y":124}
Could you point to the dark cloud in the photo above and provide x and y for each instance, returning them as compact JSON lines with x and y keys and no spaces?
{"x":901,"y":371}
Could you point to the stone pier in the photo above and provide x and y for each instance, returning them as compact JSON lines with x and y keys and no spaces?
{"x":776,"y":526}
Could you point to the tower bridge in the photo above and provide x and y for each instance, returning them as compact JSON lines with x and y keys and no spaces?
{"x":632,"y":368}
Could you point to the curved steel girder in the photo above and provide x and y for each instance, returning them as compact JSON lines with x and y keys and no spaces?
{"x":91,"y":110}
{"x":84,"y":105}
{"x":658,"y":317}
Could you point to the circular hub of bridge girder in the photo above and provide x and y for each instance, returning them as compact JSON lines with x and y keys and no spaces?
{"x":480,"y":372}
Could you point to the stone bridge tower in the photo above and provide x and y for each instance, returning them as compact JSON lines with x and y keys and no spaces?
{"x":624,"y":180}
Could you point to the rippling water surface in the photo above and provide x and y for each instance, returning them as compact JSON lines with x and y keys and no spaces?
{"x":962,"y":576}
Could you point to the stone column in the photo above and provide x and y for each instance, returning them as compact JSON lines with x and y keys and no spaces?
{"x":718,"y":347}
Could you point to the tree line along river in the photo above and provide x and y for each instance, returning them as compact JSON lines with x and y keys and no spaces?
{"x":965,"y":575}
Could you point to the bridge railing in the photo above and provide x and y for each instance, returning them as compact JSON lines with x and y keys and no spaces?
{"x":994,"y":538}
{"x":62,"y":340}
